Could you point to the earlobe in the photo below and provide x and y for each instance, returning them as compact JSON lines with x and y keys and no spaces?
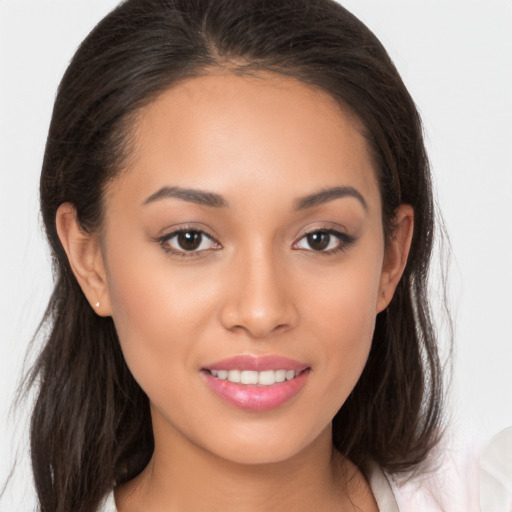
{"x":397,"y":252}
{"x":85,"y":258}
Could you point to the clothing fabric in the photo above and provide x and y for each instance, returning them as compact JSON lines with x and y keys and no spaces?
{"x":448,"y":481}
{"x":109,"y":505}
{"x":496,"y":473}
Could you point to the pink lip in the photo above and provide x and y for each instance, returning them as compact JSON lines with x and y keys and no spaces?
{"x":252,"y":397}
{"x":257,"y":363}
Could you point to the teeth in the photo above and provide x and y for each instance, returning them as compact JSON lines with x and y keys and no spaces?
{"x":234,"y":375}
{"x":280,"y":375}
{"x":290,"y":374}
{"x":248,"y":377}
{"x":267,"y":378}
{"x":264,"y":378}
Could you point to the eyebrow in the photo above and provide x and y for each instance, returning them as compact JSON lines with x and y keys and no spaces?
{"x":327,"y":195}
{"x":188,"y":194}
{"x":214,"y":200}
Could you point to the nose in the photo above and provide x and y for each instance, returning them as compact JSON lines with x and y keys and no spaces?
{"x":258,"y":299}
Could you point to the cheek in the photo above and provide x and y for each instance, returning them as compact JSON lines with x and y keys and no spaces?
{"x":343,"y":319}
{"x":158,"y":313}
{"x":344,"y":299}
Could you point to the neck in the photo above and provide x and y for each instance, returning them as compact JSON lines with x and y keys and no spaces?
{"x":183,"y":476}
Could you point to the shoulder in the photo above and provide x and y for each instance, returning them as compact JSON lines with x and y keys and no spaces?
{"x":496,"y":472}
{"x":447,"y":481}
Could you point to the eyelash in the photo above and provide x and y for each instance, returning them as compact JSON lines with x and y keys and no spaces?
{"x":183,"y":253}
{"x":345,"y":241}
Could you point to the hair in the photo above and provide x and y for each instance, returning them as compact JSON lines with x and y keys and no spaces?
{"x":91,"y":426}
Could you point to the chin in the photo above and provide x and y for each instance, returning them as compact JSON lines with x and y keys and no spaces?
{"x":271,"y":447}
{"x":257,"y":455}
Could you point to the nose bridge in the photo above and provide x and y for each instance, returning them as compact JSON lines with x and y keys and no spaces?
{"x":259,"y":301}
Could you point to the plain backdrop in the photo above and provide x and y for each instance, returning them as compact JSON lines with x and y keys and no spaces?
{"x":454,"y":56}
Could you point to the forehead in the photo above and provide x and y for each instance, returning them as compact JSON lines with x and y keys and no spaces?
{"x":224,"y":132}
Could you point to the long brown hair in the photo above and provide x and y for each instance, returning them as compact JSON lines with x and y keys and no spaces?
{"x":91,"y":427}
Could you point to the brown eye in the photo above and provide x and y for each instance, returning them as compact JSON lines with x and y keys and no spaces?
{"x":319,"y":241}
{"x":325,"y":241}
{"x":188,"y":241}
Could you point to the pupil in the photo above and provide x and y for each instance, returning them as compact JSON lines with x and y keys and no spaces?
{"x":189,"y":240}
{"x":319,"y":241}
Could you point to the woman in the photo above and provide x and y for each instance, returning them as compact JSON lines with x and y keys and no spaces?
{"x":239,"y":205}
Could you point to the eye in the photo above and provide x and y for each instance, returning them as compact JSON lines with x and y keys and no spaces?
{"x":324,"y":240}
{"x":188,"y":241}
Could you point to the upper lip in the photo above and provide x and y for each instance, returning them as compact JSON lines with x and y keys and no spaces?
{"x":257,"y":363}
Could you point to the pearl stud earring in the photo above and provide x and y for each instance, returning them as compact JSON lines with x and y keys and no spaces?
{"x":97,"y":305}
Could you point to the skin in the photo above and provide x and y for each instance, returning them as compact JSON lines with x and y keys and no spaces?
{"x":260,"y":288}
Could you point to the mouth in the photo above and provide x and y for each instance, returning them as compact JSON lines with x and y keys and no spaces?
{"x":255,"y":378}
{"x":256,"y":383}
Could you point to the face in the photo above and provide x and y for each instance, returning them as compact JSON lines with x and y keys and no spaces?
{"x":244,"y":263}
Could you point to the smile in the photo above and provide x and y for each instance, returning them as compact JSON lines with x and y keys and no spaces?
{"x":248,"y":377}
{"x":256,"y":383}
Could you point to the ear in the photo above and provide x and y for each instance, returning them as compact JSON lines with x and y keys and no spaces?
{"x":395,"y":257}
{"x":85,"y":258}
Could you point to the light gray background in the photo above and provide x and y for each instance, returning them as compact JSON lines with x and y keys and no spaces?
{"x":455,"y":57}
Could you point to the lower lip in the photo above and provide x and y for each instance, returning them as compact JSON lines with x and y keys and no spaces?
{"x":256,"y":398}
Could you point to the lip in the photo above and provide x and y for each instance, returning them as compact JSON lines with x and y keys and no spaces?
{"x":257,"y":363}
{"x":253,"y":397}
